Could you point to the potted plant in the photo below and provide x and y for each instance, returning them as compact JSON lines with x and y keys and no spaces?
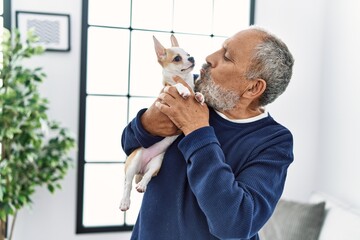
{"x":34,"y":149}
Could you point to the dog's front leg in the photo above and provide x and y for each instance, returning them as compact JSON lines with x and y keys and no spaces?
{"x":182,"y":90}
{"x":200,"y":97}
{"x":185,"y":92}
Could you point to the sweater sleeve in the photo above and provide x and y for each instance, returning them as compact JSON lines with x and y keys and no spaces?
{"x":236,"y":203}
{"x":135,"y":136}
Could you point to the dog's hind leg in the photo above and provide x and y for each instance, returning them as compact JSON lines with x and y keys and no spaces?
{"x":132,"y":167}
{"x":152,"y":169}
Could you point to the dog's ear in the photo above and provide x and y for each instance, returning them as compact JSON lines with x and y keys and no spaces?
{"x":174,"y":42}
{"x":159,"y":49}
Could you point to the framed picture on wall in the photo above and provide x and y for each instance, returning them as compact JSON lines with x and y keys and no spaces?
{"x":53,"y":29}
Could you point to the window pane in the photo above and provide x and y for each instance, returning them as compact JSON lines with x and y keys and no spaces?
{"x":238,"y":13}
{"x":193,"y":16}
{"x":146,"y":72}
{"x":103,"y":190}
{"x":154,"y":14}
{"x":106,"y":118}
{"x":137,"y":104}
{"x":109,"y":12}
{"x":108,"y":61}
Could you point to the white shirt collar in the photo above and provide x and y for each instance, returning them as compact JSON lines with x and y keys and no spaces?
{"x":247,"y":120}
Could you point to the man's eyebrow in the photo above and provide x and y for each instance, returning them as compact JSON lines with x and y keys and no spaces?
{"x":225,"y":45}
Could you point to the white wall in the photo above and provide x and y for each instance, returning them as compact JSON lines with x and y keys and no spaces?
{"x":300,"y":25}
{"x":318,"y":106}
{"x":340,"y":113}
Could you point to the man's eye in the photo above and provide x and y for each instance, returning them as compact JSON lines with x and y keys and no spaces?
{"x":177,"y":59}
{"x":226,"y":59}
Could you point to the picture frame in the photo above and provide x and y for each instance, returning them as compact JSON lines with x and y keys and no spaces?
{"x":53,"y":29}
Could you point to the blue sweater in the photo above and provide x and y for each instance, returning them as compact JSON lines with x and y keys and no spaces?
{"x":219,"y":182}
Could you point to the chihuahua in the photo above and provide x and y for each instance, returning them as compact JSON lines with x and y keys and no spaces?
{"x":144,"y":163}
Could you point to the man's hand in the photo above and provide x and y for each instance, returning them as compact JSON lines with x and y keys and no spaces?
{"x":186,"y":113}
{"x":157,"y":123}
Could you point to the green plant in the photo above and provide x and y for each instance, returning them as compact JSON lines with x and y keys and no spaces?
{"x":34,"y":150}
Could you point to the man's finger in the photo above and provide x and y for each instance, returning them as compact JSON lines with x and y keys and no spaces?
{"x":178,"y":79}
{"x":162,"y":107}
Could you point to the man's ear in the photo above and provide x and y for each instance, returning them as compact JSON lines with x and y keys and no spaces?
{"x":256,"y":88}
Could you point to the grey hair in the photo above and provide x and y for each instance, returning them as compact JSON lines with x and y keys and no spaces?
{"x":272,"y":62}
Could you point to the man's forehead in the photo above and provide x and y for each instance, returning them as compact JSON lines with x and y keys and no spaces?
{"x":246,"y":38}
{"x":232,"y":40}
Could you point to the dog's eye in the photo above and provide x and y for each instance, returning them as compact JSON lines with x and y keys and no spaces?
{"x":177,"y":59}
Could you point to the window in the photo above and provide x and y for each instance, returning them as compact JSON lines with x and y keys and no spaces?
{"x":120,"y":75}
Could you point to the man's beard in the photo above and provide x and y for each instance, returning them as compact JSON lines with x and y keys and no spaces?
{"x":215,"y":96}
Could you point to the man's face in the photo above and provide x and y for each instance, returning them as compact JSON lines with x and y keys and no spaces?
{"x":215,"y":95}
{"x":222,"y":79}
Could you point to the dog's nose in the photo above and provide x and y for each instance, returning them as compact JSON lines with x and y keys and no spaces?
{"x":191,"y":59}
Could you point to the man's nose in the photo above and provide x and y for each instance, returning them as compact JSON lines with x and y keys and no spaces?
{"x":210,"y":60}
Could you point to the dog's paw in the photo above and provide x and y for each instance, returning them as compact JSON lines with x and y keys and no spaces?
{"x":125,"y":204}
{"x":140,"y":187}
{"x":185,"y":94}
{"x":182,"y":90}
{"x":199,"y":97}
